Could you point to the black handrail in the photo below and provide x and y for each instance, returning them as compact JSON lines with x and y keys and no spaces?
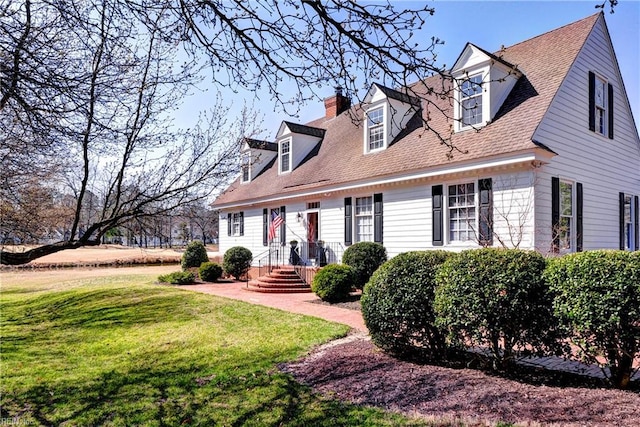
{"x":302,"y":256}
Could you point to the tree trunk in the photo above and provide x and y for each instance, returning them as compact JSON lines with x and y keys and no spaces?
{"x":18,"y":258}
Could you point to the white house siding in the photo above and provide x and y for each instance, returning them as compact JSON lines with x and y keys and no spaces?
{"x":604,"y":166}
{"x":407,"y":216}
{"x":252,"y":238}
{"x":514,"y":210}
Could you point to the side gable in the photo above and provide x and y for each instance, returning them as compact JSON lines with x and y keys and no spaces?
{"x":570,"y":109}
{"x":604,"y":164}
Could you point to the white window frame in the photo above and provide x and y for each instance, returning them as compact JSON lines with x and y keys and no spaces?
{"x":629,"y":225}
{"x":363,"y":218}
{"x":289,"y":154}
{"x":380,"y":127}
{"x":465,"y":95}
{"x":245,"y":168}
{"x":600,"y":103}
{"x":471,"y":228}
{"x":567,"y":234}
{"x":235,"y":224}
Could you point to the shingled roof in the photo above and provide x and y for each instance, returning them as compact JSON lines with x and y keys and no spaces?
{"x":340,"y":160}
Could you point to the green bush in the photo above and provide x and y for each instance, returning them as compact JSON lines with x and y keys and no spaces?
{"x":194,"y":255}
{"x":210,"y":271}
{"x":397,"y":305}
{"x":499,"y":299}
{"x":237,"y":261}
{"x":178,"y":278}
{"x":598,"y":300}
{"x":334,"y":282}
{"x":365,"y":258}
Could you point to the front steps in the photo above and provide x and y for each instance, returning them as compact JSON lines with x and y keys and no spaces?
{"x":280,"y":280}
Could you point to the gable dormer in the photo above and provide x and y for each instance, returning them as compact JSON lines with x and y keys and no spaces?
{"x":482,"y":83}
{"x":294,"y":143}
{"x":255,"y":156}
{"x":386,"y":113}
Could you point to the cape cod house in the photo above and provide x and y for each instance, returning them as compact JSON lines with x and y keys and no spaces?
{"x":547,"y":157}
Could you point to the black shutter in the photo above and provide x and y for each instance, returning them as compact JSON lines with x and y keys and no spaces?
{"x":621,"y":220}
{"x":242,"y":223}
{"x":610,"y":102}
{"x":486,"y":212}
{"x":283,"y":226}
{"x":636,"y":221}
{"x":228,"y":224}
{"x":592,"y":101}
{"x":377,"y":217}
{"x":348,"y":223}
{"x":436,"y":215}
{"x":579,"y":227}
{"x":555,"y":213}
{"x":265,"y":227}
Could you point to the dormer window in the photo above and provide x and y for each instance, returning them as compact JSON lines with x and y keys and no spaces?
{"x":471,"y":101}
{"x":246,"y":168}
{"x":285,"y":155}
{"x":375,"y":128}
{"x":482,"y":84}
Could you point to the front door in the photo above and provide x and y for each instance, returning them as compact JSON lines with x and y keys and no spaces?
{"x":312,"y":233}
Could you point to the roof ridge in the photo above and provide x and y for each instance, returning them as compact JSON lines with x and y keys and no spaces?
{"x":594,"y":17}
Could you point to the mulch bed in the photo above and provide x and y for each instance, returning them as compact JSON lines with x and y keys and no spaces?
{"x":355,"y":370}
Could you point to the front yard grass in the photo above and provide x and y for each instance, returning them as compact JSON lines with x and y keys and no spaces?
{"x":119,"y":350}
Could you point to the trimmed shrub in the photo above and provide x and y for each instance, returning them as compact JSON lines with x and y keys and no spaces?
{"x":365,"y":258}
{"x":334,"y":282}
{"x":237,"y":261}
{"x":178,"y":278}
{"x":194,"y":255}
{"x":597,"y":298}
{"x":210,"y":271}
{"x":496,"y":298}
{"x":397,"y":305}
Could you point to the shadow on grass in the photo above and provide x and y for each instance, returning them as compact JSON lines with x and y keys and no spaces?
{"x":182,"y":397}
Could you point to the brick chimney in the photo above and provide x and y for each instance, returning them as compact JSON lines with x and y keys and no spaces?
{"x":336,"y":104}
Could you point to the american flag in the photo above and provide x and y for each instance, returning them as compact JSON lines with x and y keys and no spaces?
{"x":276,"y":221}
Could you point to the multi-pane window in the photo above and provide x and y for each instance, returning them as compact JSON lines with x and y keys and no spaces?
{"x":600,"y":105}
{"x":566,"y":224}
{"x":628,"y":224}
{"x":375,"y":126}
{"x":313,"y":205}
{"x":364,"y":219}
{"x":462,"y":212}
{"x":471,"y":100}
{"x":285,"y":156}
{"x":246,"y":168}
{"x":236,"y":220}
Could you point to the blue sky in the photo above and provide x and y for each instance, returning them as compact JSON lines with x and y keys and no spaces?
{"x":488,"y":24}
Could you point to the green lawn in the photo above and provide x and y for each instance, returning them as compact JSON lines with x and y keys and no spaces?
{"x":122,"y":351}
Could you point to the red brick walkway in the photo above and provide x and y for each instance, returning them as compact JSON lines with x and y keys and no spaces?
{"x":306,"y":303}
{"x":300,"y":303}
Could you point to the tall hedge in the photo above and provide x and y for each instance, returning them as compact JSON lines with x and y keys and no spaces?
{"x":397,"y":305}
{"x":598,"y":300}
{"x":496,"y":298}
{"x":365,"y":258}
